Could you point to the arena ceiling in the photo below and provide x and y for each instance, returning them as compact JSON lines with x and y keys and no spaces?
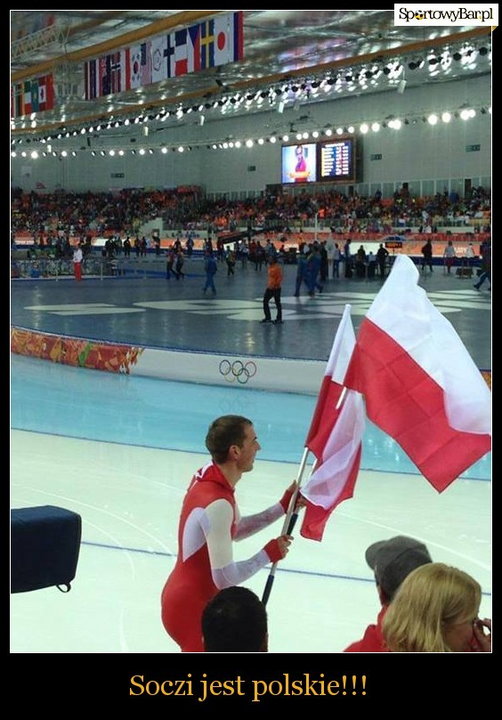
{"x":296,"y":57}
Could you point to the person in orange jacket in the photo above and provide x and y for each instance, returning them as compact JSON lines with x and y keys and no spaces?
{"x":273,"y":290}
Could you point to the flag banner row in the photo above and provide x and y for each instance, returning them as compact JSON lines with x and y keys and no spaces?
{"x":408,"y":371}
{"x":32,"y":96}
{"x":204,"y":45}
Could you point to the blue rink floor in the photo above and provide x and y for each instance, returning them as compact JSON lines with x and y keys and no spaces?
{"x":153,"y":413}
{"x":121,"y":450}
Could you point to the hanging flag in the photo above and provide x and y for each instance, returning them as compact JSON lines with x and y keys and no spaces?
{"x":115,"y":72}
{"x":193,"y":49}
{"x":104,"y":78}
{"x":135,"y":65}
{"x":207,"y":44}
{"x":228,"y":45}
{"x":18,"y":100}
{"x":180,"y":53}
{"x":35,"y":104}
{"x":335,"y":436}
{"x":420,"y":384}
{"x":27,"y":98}
{"x":146,"y":63}
{"x":91,"y":73}
{"x":125,"y":69}
{"x":159,"y":58}
{"x":46,"y":92}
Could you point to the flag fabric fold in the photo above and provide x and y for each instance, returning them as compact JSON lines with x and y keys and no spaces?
{"x":334,"y":480}
{"x":420,"y":384}
{"x":327,"y":410}
{"x":335,"y":437}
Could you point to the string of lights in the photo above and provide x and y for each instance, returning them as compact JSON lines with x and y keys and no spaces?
{"x":49,"y":147}
{"x":469,"y":57}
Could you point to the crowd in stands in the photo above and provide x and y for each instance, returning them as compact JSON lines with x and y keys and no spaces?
{"x":78,"y":214}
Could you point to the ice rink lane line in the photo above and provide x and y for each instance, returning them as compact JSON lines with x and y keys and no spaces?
{"x":279,"y":569}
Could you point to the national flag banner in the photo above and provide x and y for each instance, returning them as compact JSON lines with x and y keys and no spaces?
{"x":120,"y":78}
{"x":334,"y":480}
{"x":26,"y":97}
{"x":18,"y":100}
{"x":180,"y":52}
{"x":135,"y":66}
{"x":419,"y":382}
{"x":120,"y":71}
{"x":35,"y":105}
{"x":228,"y":42}
{"x":91,"y":75}
{"x":193,"y":49}
{"x":207,"y":44}
{"x":145,"y":69}
{"x":104,"y":79}
{"x":159,"y":58}
{"x":46,"y":92}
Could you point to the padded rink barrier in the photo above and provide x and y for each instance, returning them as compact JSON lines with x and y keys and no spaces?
{"x":45,"y":545}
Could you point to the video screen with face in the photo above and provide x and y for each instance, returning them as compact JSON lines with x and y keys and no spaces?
{"x":299,"y":163}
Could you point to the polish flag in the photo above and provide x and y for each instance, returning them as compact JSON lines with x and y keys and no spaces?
{"x":420,"y":384}
{"x":335,"y":437}
{"x":327,"y":410}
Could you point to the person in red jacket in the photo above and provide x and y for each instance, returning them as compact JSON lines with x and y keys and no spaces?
{"x":392,"y":561}
{"x":210,"y":522}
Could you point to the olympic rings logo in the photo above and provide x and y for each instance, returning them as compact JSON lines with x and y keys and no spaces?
{"x":237,"y":370}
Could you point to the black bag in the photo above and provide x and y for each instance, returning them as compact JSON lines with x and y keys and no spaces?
{"x":45,"y":544}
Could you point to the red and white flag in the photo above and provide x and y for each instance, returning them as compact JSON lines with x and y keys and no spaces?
{"x":420,"y":384}
{"x":227,"y":38}
{"x":335,"y":437}
{"x":327,"y":410}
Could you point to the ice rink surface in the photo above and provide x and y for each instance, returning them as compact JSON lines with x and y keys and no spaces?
{"x":79,"y":442}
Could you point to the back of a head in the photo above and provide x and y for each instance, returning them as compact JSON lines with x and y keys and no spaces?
{"x":235,"y":620}
{"x":431,"y":599}
{"x":392,"y":561}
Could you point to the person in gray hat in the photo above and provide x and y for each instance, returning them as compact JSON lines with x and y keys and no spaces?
{"x":391,"y":561}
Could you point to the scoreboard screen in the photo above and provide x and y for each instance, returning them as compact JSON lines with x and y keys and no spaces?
{"x":337,"y":160}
